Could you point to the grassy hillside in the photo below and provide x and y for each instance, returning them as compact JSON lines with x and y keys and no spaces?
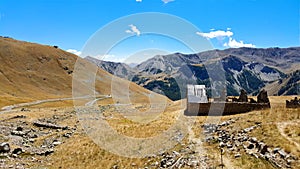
{"x":30,"y":71}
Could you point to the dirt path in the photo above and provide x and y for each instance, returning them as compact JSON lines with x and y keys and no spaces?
{"x":198,"y":144}
{"x":92,"y":102}
{"x":14,"y":106}
{"x":282,"y":126}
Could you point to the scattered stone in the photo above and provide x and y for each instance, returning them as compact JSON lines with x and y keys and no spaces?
{"x":18,"y":133}
{"x":49,"y":125}
{"x":4,"y":148}
{"x":252,"y":146}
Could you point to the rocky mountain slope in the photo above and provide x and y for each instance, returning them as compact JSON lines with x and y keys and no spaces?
{"x":244,"y":68}
{"x":118,"y":69}
{"x":292,"y":85}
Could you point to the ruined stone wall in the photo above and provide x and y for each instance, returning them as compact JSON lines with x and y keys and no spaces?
{"x":228,"y":108}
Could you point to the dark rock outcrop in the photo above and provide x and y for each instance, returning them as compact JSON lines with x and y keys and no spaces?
{"x":263,"y":97}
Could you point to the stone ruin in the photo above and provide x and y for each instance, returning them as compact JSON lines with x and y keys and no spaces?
{"x":262,"y":97}
{"x":197,"y":103}
{"x":294,"y":103}
{"x":243,"y":96}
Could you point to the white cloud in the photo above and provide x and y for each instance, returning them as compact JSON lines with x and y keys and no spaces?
{"x":232,"y":43}
{"x":225,"y":35}
{"x":138,"y":0}
{"x":215,"y":34}
{"x":167,"y":1}
{"x":133,"y":30}
{"x":109,"y":57}
{"x":74,"y":51}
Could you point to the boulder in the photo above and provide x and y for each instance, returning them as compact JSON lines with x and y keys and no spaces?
{"x":17,"y":151}
{"x":4,"y":147}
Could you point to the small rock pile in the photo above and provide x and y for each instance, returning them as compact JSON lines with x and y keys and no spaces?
{"x":241,"y":141}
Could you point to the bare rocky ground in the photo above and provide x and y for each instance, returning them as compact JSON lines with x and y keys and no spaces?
{"x":239,"y":142}
{"x":27,"y":142}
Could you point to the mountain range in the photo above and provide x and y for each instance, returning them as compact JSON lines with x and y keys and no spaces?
{"x":251,"y":69}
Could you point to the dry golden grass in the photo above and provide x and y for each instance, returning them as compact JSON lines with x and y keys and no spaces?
{"x":6,"y":100}
{"x":81,"y":152}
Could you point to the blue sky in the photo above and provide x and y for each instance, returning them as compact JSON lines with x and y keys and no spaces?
{"x":225,"y":23}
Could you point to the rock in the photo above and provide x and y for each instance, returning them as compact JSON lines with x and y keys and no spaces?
{"x":176,"y":153}
{"x":275,"y":150}
{"x":169,"y":163}
{"x":250,"y":146}
{"x":257,"y":123}
{"x":222,"y":144}
{"x":237,"y":155}
{"x":49,"y":125}
{"x":282,"y":153}
{"x":67,"y":135}
{"x":49,"y":151}
{"x":19,"y":128}
{"x":253,"y":140}
{"x":229,"y":145}
{"x":56,"y":143}
{"x":4,"y":147}
{"x":289,"y":162}
{"x":24,"y":109}
{"x":18,"y":116}
{"x":31,"y":140}
{"x":18,"y":133}
{"x":263,"y":148}
{"x":17,"y":151}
